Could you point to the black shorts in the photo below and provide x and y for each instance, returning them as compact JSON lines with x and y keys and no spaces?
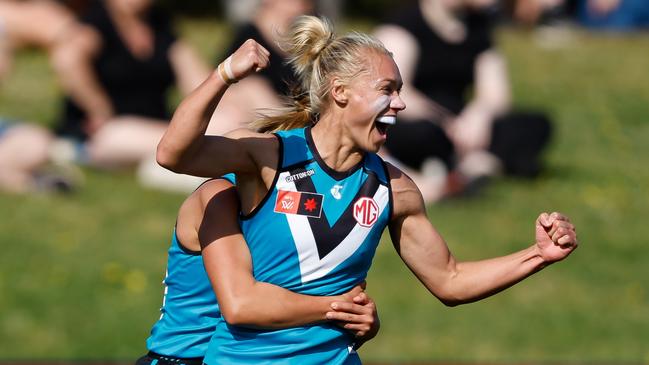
{"x":156,"y":359}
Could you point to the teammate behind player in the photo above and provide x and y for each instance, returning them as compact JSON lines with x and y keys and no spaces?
{"x":208,"y":220}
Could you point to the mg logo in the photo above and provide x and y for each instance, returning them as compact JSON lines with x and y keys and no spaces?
{"x":366,"y":211}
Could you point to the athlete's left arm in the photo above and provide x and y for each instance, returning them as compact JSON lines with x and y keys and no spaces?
{"x":426,"y":253}
{"x":245,"y":301}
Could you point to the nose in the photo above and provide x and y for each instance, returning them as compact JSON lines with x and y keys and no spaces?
{"x":397,"y":103}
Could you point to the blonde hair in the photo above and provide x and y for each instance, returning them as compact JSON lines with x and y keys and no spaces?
{"x":316,"y":55}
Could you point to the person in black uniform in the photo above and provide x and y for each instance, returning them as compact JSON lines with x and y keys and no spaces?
{"x":445,"y":52}
{"x":117,"y":79}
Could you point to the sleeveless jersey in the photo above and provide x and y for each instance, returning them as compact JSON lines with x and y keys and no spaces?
{"x":315,"y":233}
{"x":189,"y":308}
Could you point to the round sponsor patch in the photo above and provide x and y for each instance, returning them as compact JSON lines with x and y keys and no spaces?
{"x":366,"y":211}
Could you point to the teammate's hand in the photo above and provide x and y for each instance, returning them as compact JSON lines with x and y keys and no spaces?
{"x":556,"y":237}
{"x":351,"y":294}
{"x":250,"y":57}
{"x":359,"y":317}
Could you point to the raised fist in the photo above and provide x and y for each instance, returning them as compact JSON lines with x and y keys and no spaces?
{"x":556,"y":237}
{"x":250,"y":57}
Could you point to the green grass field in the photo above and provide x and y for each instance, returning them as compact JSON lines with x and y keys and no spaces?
{"x":80,"y":275}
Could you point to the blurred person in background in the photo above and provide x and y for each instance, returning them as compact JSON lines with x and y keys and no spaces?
{"x":24,"y":159}
{"x":117,"y":77}
{"x":535,"y":12}
{"x":240,"y":12}
{"x":264,"y":89}
{"x":41,"y":24}
{"x":620,"y":15}
{"x":207,"y":229}
{"x":458,"y":94}
{"x":25,"y":146}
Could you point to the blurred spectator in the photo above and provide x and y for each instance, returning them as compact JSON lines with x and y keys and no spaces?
{"x":260,"y":91}
{"x":25,"y":147}
{"x":117,"y":77}
{"x":534,"y":12}
{"x":598,"y":14}
{"x":33,"y":23}
{"x":614,"y":14}
{"x":243,"y":11}
{"x":444,"y":50}
{"x":24,"y":151}
{"x":238,"y":11}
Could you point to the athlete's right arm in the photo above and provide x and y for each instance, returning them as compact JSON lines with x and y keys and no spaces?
{"x":245,"y":301}
{"x":185,"y":148}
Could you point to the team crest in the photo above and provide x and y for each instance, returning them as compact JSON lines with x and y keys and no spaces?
{"x":366,"y":211}
{"x":299,"y":203}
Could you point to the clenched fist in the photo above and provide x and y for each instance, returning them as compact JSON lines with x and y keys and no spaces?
{"x":556,"y":237}
{"x":250,"y":57}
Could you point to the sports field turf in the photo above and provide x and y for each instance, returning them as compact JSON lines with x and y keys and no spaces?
{"x":80,"y":275}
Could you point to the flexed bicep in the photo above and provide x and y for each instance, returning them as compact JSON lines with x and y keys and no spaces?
{"x":185,"y":148}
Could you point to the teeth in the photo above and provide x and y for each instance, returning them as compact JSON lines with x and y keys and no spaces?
{"x":387,"y":119}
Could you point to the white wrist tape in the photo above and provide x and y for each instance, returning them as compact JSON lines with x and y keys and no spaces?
{"x":228,"y":69}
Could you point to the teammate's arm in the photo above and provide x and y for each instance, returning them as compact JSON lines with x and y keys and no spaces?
{"x":424,"y":251}
{"x":243,"y":300}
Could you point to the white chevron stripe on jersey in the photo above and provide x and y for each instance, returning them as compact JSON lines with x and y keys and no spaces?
{"x":311,"y":266}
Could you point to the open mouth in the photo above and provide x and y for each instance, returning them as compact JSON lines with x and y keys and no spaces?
{"x":384,"y":122}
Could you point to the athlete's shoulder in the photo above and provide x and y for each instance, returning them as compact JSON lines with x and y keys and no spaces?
{"x":206,"y":191}
{"x":406,"y":197}
{"x":294,"y":146}
{"x":292,"y":139}
{"x":192,"y":212}
{"x":396,"y":175}
{"x":377,"y":165}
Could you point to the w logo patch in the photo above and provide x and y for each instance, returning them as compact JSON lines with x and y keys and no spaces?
{"x":300,"y":203}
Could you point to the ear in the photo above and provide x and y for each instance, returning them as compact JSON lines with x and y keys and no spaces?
{"x":339,"y":92}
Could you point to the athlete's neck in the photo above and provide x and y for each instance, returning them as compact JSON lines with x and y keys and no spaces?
{"x":336,"y":149}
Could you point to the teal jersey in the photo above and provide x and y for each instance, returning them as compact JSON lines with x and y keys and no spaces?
{"x":189,"y":308}
{"x":315,"y":233}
